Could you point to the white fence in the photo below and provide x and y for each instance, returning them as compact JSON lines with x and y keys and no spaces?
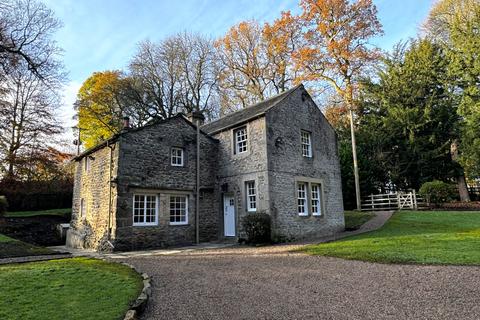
{"x":393,"y":201}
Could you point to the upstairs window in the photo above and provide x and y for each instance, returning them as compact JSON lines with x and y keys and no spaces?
{"x":177,"y":157}
{"x":316,"y":203}
{"x":87,"y":163}
{"x":83,"y":209}
{"x":178,"y":210}
{"x":251,"y":196}
{"x":302,"y":199}
{"x":144,"y":210}
{"x":306,"y":144}
{"x":240,"y":139}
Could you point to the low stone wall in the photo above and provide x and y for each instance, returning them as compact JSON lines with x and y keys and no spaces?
{"x":38,"y":230}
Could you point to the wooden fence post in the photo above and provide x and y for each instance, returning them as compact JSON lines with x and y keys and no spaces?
{"x":371,"y":200}
{"x":415,"y":206}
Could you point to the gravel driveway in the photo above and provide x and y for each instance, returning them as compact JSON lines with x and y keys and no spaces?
{"x":270,"y":283}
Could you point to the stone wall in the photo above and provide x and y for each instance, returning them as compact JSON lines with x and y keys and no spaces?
{"x":92,"y":185}
{"x":287,"y":166}
{"x":234,"y":170}
{"x":144,"y":167}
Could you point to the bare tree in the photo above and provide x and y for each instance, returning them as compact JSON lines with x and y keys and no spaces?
{"x":27,"y":117}
{"x":443,"y":14}
{"x":30,"y":77}
{"x":177,"y":74}
{"x":26,"y":29}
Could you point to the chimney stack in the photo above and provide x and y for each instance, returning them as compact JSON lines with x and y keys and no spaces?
{"x":196,"y":117}
{"x":126,"y":123}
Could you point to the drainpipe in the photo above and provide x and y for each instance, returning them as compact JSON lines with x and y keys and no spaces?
{"x":110,"y":195}
{"x":197,"y":196}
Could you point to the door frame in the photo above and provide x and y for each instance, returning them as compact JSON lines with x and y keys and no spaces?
{"x":224,"y":196}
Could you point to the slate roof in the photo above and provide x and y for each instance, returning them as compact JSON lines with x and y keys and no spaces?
{"x":224,"y":123}
{"x":115,"y":137}
{"x":246,"y":114}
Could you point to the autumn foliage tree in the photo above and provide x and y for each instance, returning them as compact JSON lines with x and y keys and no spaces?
{"x":100,"y":107}
{"x":337,"y":49}
{"x":256,"y":61}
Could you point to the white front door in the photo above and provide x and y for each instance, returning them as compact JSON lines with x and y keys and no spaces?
{"x":229,"y":216}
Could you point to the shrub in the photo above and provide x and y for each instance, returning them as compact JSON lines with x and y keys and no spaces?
{"x":437,"y":191}
{"x":3,"y":205}
{"x":257,"y":226}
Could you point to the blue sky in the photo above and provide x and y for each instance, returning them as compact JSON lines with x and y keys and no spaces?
{"x":102,"y":34}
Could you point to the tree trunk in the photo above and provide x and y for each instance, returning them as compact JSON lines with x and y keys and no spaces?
{"x":462,"y":188}
{"x":461,"y":182}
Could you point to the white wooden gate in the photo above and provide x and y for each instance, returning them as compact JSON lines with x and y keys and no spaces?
{"x":393,"y":201}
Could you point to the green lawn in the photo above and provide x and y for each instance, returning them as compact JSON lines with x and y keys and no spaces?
{"x":78,"y":288}
{"x":53,"y":212}
{"x":428,"y":237}
{"x":10,"y":247}
{"x":355,"y":219}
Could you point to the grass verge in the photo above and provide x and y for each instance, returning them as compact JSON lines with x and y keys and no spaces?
{"x":432,"y":237}
{"x":10,"y":247}
{"x":355,"y":219}
{"x":53,"y":212}
{"x":77,"y":288}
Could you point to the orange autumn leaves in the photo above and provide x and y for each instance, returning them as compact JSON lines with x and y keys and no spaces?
{"x":327,"y":43}
{"x":256,"y":61}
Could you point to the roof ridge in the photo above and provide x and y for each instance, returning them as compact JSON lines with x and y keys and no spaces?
{"x":285,"y":94}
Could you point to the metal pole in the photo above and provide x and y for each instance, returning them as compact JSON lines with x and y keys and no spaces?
{"x":355,"y":163}
{"x":197,"y":196}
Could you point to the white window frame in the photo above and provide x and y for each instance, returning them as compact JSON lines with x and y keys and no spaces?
{"x":306,"y":142}
{"x":316,"y":199}
{"x":178,"y":223}
{"x":251,"y":193}
{"x":83,"y":208}
{"x":144,"y":223}
{"x":240,"y":145}
{"x":87,"y":163}
{"x":302,"y":197}
{"x":175,"y":156}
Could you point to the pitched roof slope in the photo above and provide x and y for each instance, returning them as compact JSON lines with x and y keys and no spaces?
{"x":115,"y":137}
{"x":247,"y":113}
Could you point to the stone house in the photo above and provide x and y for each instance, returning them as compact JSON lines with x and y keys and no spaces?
{"x":168,"y":184}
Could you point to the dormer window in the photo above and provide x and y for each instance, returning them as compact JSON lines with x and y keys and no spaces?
{"x":240,"y":139}
{"x":176,"y":157}
{"x":306,"y":144}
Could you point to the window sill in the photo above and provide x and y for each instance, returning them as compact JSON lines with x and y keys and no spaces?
{"x":145,"y":224}
{"x":302,"y":214}
{"x":178,"y":223}
{"x":320,"y":215}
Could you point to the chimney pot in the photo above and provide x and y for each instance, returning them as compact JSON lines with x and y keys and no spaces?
{"x":126,"y":122}
{"x":196,"y":116}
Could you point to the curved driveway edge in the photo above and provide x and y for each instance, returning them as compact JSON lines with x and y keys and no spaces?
{"x":140,"y":303}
